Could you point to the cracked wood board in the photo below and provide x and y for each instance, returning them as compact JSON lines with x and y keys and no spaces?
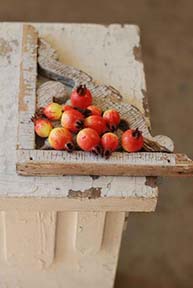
{"x":50,"y":163}
{"x":71,"y":192}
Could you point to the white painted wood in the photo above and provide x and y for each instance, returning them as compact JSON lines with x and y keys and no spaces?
{"x":27,"y":88}
{"x":130,"y":188}
{"x":102,"y":59}
{"x":45,"y":163}
{"x":103,"y":95}
{"x":29,"y":238}
{"x":165,"y":141}
{"x":111,"y":60}
{"x":90,"y":229}
{"x":49,"y":92}
{"x":138,"y":158}
{"x":63,"y":39}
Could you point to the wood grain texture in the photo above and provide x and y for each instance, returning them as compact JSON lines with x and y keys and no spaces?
{"x":50,"y":163}
{"x":27,"y":90}
{"x":51,"y":91}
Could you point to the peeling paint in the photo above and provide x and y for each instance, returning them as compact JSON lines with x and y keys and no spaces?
{"x":91,"y":193}
{"x":146,"y":107}
{"x":5,"y":47}
{"x":137,"y":53}
{"x":151,"y":181}
{"x":94,"y":177}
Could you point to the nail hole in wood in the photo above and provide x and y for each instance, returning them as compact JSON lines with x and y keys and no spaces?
{"x":30,"y":158}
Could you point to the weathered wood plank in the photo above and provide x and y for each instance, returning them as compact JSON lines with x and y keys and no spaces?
{"x":51,"y":91}
{"x":45,"y":163}
{"x":27,"y":88}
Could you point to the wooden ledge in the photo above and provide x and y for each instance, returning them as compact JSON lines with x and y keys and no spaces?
{"x":55,"y":163}
{"x":115,"y":204}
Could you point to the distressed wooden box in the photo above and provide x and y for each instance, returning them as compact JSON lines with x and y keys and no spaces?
{"x":38,"y":58}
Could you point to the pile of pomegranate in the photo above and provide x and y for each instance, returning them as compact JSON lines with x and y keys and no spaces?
{"x":85,"y":126}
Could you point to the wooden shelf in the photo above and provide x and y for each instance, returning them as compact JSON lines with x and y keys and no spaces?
{"x":33,"y":162}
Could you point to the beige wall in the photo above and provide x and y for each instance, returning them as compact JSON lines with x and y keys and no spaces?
{"x":157,"y":248}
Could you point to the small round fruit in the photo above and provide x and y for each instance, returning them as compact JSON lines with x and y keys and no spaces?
{"x":112,"y":119}
{"x":53,"y":111}
{"x":72,"y":120}
{"x":132,"y":140}
{"x":110,"y":142}
{"x":61,"y":139}
{"x":42,"y":127}
{"x":89,"y":140}
{"x":94,"y":110}
{"x":66,"y":107}
{"x":81,"y":97}
{"x":97,"y":123}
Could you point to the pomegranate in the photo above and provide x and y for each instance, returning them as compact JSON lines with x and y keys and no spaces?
{"x":89,"y":140}
{"x":42,"y":127}
{"x":110,"y":142}
{"x":132,"y":140}
{"x":94,"y":110}
{"x":81,"y":97}
{"x":72,"y":120}
{"x":66,"y":107}
{"x":61,"y":139}
{"x":112,"y":119}
{"x":53,"y":111}
{"x":96,"y":122}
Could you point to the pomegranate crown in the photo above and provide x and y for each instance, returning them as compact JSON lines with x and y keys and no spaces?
{"x":136,"y":133}
{"x":81,"y":89}
{"x":39,"y":114}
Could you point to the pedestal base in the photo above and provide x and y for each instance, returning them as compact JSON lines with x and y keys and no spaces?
{"x":63,"y":249}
